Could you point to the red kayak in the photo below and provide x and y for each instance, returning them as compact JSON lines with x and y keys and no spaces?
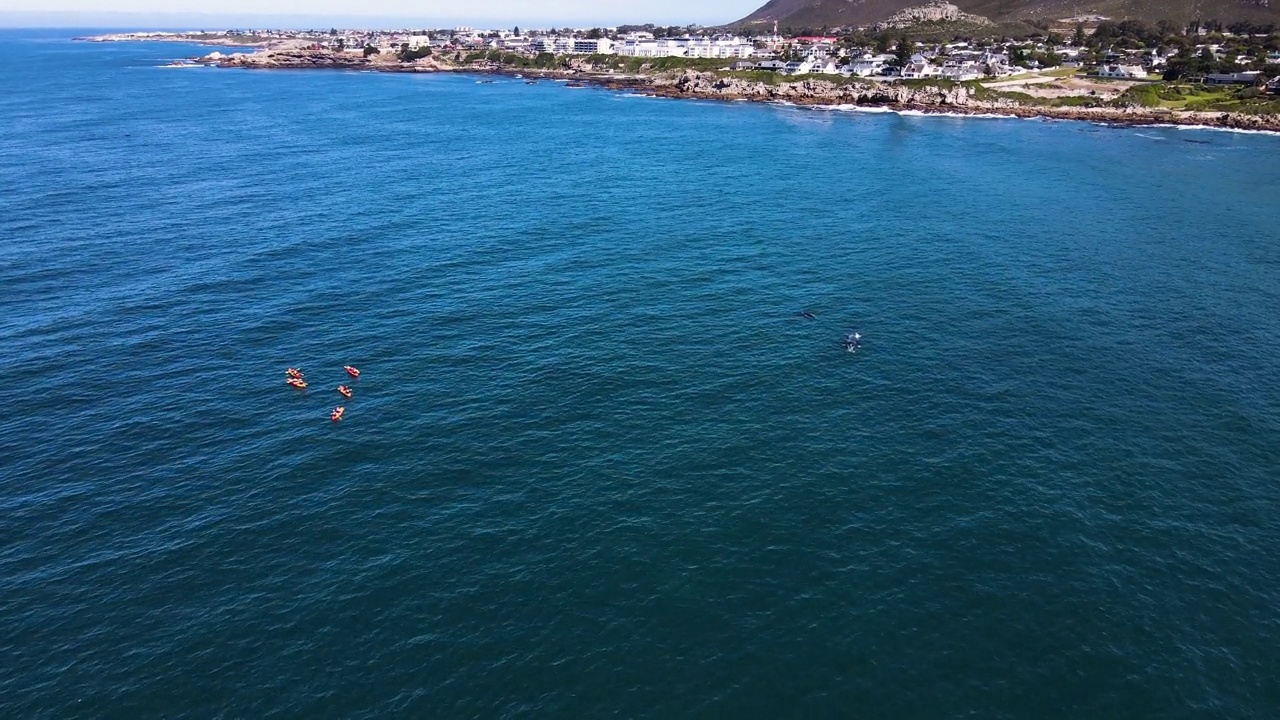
{"x":346,"y":391}
{"x":351,"y":371}
{"x":300,"y":384}
{"x":294,"y":373}
{"x":336,"y":415}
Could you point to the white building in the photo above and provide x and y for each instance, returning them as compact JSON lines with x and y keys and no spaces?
{"x":650,"y":48}
{"x":919,"y":68}
{"x":1127,"y":72}
{"x":720,"y":47}
{"x":552,"y":44}
{"x":819,"y":50}
{"x":812,"y":66}
{"x":867,"y":65}
{"x":826,"y":66}
{"x":798,"y":67}
{"x":773,"y":43}
{"x":598,"y":46}
{"x":962,"y":71}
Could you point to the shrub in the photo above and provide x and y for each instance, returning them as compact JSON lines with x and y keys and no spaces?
{"x":408,"y":55}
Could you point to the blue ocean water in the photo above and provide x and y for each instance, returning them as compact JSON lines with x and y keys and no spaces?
{"x":597,"y":465}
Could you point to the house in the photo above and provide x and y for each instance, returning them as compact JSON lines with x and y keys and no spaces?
{"x":962,"y":71}
{"x":825,"y":66}
{"x":1273,"y":87}
{"x":865,"y":66}
{"x":812,"y":66}
{"x":1240,"y":78}
{"x":1126,"y":72}
{"x":771,"y":65}
{"x":1154,"y":61}
{"x":798,"y":67}
{"x":919,"y":68}
{"x":743,"y":65}
{"x":819,"y":50}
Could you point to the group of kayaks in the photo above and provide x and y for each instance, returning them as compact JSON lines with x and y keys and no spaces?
{"x":293,"y":378}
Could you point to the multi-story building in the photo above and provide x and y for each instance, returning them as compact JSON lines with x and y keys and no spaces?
{"x":589,"y":46}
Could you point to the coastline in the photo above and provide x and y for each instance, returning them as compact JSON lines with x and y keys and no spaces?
{"x":210,"y":41}
{"x":956,"y":100}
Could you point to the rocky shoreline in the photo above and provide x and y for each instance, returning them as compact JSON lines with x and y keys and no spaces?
{"x":955,"y":100}
{"x":936,"y":99}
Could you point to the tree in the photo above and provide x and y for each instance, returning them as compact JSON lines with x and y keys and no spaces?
{"x":371,"y":50}
{"x":1078,"y":39}
{"x":516,"y":31}
{"x":882,"y":44}
{"x":904,"y":51}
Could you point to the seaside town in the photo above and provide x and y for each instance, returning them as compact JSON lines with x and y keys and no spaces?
{"x":1062,"y":67}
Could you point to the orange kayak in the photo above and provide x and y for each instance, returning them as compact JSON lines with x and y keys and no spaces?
{"x":295,"y":382}
{"x":351,"y":371}
{"x":336,"y":415}
{"x":294,"y":373}
{"x":346,"y":391}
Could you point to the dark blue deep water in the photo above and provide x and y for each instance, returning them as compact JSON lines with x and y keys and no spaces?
{"x":597,"y":465}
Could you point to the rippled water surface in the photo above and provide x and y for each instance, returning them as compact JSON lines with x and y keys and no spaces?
{"x":597,"y":465}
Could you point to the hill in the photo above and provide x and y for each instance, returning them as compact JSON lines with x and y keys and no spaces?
{"x":834,"y":13}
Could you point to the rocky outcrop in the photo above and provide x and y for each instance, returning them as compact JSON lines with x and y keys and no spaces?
{"x":811,"y":91}
{"x":294,"y":59}
{"x":1139,"y":116}
{"x":322,"y":59}
{"x":934,"y":12}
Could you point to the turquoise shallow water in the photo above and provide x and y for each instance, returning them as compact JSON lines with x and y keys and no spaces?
{"x":597,"y":465}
